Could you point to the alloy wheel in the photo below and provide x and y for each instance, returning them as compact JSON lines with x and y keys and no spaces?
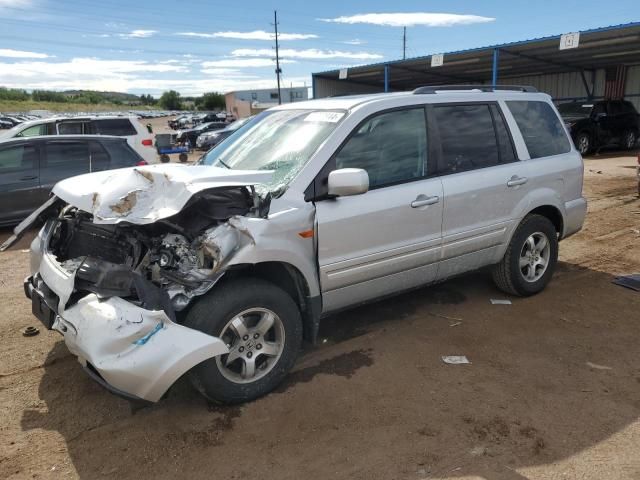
{"x":534,"y":257}
{"x":255,"y":338}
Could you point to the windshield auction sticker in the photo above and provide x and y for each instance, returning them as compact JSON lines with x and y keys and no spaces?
{"x":329,"y":117}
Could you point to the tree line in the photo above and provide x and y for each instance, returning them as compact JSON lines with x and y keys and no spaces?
{"x":169,"y":100}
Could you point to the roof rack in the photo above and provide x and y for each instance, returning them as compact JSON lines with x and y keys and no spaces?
{"x":484,"y":88}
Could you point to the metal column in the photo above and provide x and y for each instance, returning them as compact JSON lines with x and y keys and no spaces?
{"x":496,"y":59}
{"x":386,"y":78}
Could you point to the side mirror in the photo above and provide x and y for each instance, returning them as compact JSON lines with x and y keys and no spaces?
{"x":348,"y":181}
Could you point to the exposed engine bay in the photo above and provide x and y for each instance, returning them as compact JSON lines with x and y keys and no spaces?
{"x":162,"y":265}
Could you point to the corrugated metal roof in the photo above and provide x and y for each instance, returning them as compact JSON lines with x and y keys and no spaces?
{"x":488,"y":49}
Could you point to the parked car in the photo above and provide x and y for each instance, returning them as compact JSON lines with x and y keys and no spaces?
{"x":207,"y":140}
{"x":4,"y":125}
{"x":181,"y":122}
{"x":12,"y":120}
{"x":192,"y":134}
{"x":31,"y":166}
{"x":222,"y":269}
{"x":139,"y":137}
{"x":596,"y":124}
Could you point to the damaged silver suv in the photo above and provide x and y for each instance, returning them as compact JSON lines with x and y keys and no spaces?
{"x":220,"y":270}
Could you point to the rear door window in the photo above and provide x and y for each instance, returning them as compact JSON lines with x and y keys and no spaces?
{"x":122,"y":155}
{"x":615,"y":108}
{"x":99,"y":158}
{"x":119,"y":127}
{"x":71,"y":128}
{"x":472,"y":136}
{"x":72,"y":154}
{"x":628,"y":107}
{"x":542,"y":131}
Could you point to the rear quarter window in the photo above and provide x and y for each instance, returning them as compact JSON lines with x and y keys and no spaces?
{"x":541,"y":129}
{"x":122,"y":155}
{"x":119,"y":127}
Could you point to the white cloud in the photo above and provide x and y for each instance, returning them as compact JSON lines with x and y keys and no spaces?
{"x":410,"y":19}
{"x":310,"y":53}
{"x":138,"y":34}
{"x":254,"y":35}
{"x":243,"y":63}
{"x":15,"y":3}
{"x":7,"y":52}
{"x":83,"y":68}
{"x":355,"y":41}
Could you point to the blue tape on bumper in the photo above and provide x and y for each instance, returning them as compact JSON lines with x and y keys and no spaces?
{"x":145,"y":339}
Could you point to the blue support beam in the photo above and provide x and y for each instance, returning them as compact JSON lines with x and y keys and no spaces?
{"x":496,"y":60}
{"x":386,"y":78}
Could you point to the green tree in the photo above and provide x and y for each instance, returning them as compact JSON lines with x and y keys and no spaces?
{"x":211,"y":101}
{"x":170,"y":100}
{"x":48,"y":96}
{"x":13,"y":94}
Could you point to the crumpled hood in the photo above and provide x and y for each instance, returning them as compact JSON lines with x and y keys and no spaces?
{"x":143,"y":195}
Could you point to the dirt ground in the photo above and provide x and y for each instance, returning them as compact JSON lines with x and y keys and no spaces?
{"x":553,"y":390}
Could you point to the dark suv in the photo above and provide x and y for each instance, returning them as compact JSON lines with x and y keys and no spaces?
{"x":597,"y":124}
{"x":31,"y":166}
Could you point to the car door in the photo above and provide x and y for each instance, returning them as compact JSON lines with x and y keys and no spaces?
{"x":19,"y":180}
{"x":483,"y":183}
{"x":387,"y":239}
{"x":63,"y":159}
{"x":612,"y":124}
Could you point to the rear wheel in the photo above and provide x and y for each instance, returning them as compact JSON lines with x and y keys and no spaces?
{"x":583,"y":143}
{"x":530,"y":259}
{"x":629,"y":140}
{"x":261,"y":325}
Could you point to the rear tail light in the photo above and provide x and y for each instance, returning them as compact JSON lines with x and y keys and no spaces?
{"x":147,"y":142}
{"x":141,"y":163}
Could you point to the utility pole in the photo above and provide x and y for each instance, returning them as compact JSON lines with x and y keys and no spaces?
{"x":404,"y":43}
{"x":278,"y":71}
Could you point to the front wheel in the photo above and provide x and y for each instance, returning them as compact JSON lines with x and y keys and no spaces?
{"x":530,"y":259}
{"x":261,"y":325}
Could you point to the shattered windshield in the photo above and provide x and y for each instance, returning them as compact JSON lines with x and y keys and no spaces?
{"x":278,"y":140}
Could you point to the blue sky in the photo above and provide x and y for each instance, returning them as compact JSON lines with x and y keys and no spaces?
{"x":198,"y":45}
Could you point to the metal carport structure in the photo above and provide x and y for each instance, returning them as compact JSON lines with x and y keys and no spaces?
{"x":606,"y":63}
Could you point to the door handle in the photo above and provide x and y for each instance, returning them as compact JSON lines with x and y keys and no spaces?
{"x":422,"y":201}
{"x":29,"y":177}
{"x":515,"y":181}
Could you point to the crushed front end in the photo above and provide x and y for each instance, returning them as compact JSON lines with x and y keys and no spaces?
{"x":115,"y":289}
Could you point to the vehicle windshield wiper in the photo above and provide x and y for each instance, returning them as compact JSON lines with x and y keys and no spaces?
{"x":224,"y":164}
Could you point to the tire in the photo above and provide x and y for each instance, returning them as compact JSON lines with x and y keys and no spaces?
{"x":230,"y":383}
{"x":164,"y":158}
{"x":583,"y":143}
{"x":183,"y":157}
{"x":513,"y":278}
{"x":629,"y":140}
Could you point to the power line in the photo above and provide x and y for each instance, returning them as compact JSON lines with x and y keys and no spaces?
{"x":278,"y":71}
{"x":404,"y":43}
